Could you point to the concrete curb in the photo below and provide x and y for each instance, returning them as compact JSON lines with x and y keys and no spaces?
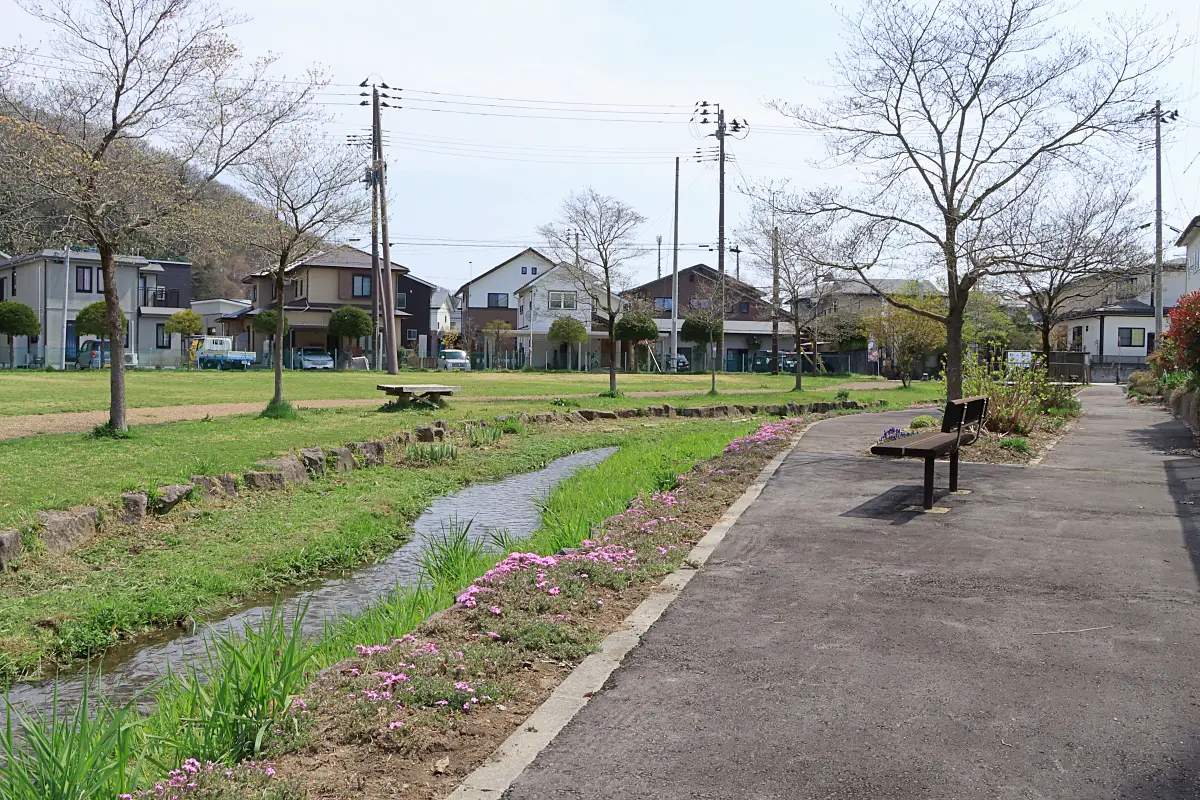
{"x":495,"y":775}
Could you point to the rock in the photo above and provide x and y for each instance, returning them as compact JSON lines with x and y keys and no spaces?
{"x":291,"y":468}
{"x":752,"y":409}
{"x":575,"y":416}
{"x":424,"y":433}
{"x":339,"y":459}
{"x":229,"y":484}
{"x":742,"y":410}
{"x":852,"y":404}
{"x":543,"y":419}
{"x":206,"y":487}
{"x":689,"y":412}
{"x":264,"y":481}
{"x":606,"y":415}
{"x":588,"y":413}
{"x":441,"y":765}
{"x":314,"y":459}
{"x":723,"y":411}
{"x":524,"y":418}
{"x":439,"y":435}
{"x":821,"y":408}
{"x":555,"y":416}
{"x":10,"y":548}
{"x":406,"y":438}
{"x":369,"y":454}
{"x":793,"y":409}
{"x":63,"y":530}
{"x":503,"y":418}
{"x":133,"y":507}
{"x":627,"y":413}
{"x":171,"y":496}
{"x":441,"y":423}
{"x":668,"y":410}
{"x":641,"y":412}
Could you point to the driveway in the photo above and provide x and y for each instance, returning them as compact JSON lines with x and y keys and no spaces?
{"x":1040,"y":640}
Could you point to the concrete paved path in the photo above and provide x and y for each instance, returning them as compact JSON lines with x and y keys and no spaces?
{"x":1040,"y":640}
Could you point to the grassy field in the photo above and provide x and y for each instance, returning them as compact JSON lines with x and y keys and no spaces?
{"x":24,"y":392}
{"x":59,"y":607}
{"x":44,"y":472}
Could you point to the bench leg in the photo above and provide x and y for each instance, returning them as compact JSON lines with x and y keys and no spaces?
{"x":928,"y":501}
{"x":954,"y":471}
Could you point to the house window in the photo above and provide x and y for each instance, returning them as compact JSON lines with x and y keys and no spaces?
{"x":274,"y":290}
{"x":401,"y":298}
{"x":663,"y":303}
{"x":1131,"y":337}
{"x":254,"y":294}
{"x":411,"y":334}
{"x":360,"y":286}
{"x":524,"y":270}
{"x":534,"y":270}
{"x":162,"y":339}
{"x":72,"y":341}
{"x":99,"y":279}
{"x":497,"y":300}
{"x":2,"y":294}
{"x":83,"y":279}
{"x":743,"y":308}
{"x":563,"y":301}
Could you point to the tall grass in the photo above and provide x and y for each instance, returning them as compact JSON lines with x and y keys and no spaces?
{"x":478,"y":435}
{"x":434,"y":453}
{"x":84,"y":752}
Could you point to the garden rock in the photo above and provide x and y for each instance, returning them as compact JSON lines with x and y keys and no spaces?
{"x":606,"y":415}
{"x":314,"y":459}
{"x":369,"y":454}
{"x":339,"y":459}
{"x":668,"y":410}
{"x":689,"y":412}
{"x":441,"y":424}
{"x":208,"y":488}
{"x":821,"y":408}
{"x":588,"y":413}
{"x":626,"y":413}
{"x":171,"y":496}
{"x":264,"y":481}
{"x":543,"y":419}
{"x":10,"y":548}
{"x":575,"y":416}
{"x":641,"y":412}
{"x":228,"y":484}
{"x":424,"y":433}
{"x":63,"y":530}
{"x":134,"y":506}
{"x":291,"y":468}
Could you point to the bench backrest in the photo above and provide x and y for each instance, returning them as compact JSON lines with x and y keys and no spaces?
{"x":965,"y":416}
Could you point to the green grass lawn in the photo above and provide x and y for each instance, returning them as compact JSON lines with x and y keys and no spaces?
{"x":59,"y":607}
{"x":58,"y":471}
{"x":23,"y":392}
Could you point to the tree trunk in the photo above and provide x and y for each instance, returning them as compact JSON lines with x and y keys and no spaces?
{"x":116,"y":335}
{"x":1045,"y":330}
{"x":612,"y":350}
{"x":279,"y":321}
{"x":799,"y":354}
{"x":954,"y":353}
{"x":712,"y":349}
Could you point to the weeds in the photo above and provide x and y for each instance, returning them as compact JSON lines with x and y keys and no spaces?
{"x":281,"y":410}
{"x":1015,"y":444}
{"x":613,"y":393}
{"x":451,"y":557}
{"x":478,"y":436}
{"x":434,"y":453}
{"x":513,"y":426}
{"x":842,"y":395}
{"x":106,"y":430}
{"x":563,"y":402}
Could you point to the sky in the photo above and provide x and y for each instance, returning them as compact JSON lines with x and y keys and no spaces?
{"x":476,"y":163}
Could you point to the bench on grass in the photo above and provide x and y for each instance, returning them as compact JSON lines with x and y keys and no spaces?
{"x":962,"y":423}
{"x":420,"y":392}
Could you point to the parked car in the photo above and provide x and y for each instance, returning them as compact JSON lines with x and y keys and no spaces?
{"x":681,"y":364}
{"x":451,"y":360}
{"x":312,"y":358}
{"x":762,"y":362}
{"x":93,"y":350}
{"x":216,"y":352}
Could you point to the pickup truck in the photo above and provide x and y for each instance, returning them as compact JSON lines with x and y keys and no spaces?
{"x":216,"y":352}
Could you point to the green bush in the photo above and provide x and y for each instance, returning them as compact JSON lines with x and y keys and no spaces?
{"x":842,"y":395}
{"x":923,"y":421}
{"x":1176,"y":379}
{"x":1015,"y":394}
{"x":1016,"y":444}
{"x":1144,"y":383}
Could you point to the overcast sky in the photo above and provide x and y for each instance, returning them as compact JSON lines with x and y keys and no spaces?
{"x":470,"y":188}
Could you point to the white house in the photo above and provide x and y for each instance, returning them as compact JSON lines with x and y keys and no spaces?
{"x":58,"y":284}
{"x":212,"y":311}
{"x":444,"y":312}
{"x":493,"y":294}
{"x":553,"y":294}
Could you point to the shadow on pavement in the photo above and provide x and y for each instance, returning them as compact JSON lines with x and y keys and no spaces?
{"x":1183,"y":481}
{"x":1177,"y":779}
{"x":890,"y":506}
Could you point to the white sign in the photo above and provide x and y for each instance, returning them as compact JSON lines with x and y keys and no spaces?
{"x":1020,"y":358}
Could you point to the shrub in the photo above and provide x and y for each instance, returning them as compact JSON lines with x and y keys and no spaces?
{"x":281,"y":410}
{"x":1144,"y":383}
{"x":842,"y":395}
{"x":923,"y":421}
{"x":1015,"y":444}
{"x":1175,"y":379}
{"x":1015,"y":394}
{"x":1185,"y":332}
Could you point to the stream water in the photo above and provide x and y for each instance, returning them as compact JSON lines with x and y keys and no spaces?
{"x":510,"y":504}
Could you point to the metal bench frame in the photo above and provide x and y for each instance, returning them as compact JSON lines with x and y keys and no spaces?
{"x":962,"y":423}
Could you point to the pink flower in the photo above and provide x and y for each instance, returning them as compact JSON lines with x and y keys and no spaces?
{"x":269,"y":771}
{"x":553,"y":590}
{"x":393,"y":725}
{"x":495,"y":610}
{"x":493,"y":635}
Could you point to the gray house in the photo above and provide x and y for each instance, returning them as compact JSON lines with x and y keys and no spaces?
{"x":58,"y":284}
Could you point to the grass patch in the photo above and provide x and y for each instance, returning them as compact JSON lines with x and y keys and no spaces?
{"x":106,"y":430}
{"x":431,"y":453}
{"x":1016,"y":444}
{"x":281,"y":410}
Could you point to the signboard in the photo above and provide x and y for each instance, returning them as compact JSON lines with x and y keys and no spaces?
{"x":423,"y":345}
{"x":1020,"y":358}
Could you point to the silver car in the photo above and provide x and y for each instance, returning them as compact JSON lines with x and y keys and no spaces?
{"x":312,"y":358}
{"x":451,"y":360}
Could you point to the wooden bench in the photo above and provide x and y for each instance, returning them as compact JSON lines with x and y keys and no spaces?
{"x":429,"y":393}
{"x":962,"y":423}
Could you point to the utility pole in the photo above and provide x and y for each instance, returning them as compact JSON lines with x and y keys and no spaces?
{"x":1160,"y":117}
{"x":737,"y":270}
{"x":675,"y":279}
{"x":659,"y":240}
{"x":386,"y":297}
{"x":376,"y":266}
{"x":775,"y":300}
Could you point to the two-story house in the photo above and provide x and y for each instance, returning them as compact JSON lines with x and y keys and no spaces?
{"x":492,"y":295}
{"x":747,"y":320}
{"x":555,"y":293}
{"x":316,"y":286}
{"x":58,"y":284}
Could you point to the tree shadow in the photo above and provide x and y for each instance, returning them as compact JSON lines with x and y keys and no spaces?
{"x":1175,"y":777}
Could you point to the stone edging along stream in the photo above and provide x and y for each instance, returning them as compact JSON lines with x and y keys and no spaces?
{"x":64,"y":530}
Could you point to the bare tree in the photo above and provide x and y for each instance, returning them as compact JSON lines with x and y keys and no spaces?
{"x":1078,"y":243}
{"x":594,"y":238}
{"x":149,"y":103}
{"x":955,"y":113}
{"x":310,"y":189}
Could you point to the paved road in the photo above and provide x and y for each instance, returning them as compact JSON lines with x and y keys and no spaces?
{"x":18,"y":426}
{"x":839,"y":647}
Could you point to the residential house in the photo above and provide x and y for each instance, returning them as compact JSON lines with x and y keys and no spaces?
{"x":856,"y":297}
{"x":445,"y":313}
{"x":552,"y":294}
{"x":58,"y":284}
{"x":492,"y":295}
{"x":747,"y":324}
{"x":414,"y":296}
{"x":315,"y":287}
{"x":214,"y":312}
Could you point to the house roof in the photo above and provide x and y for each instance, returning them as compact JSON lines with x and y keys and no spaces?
{"x":1188,"y":229}
{"x":504,"y":263}
{"x":887,"y":285}
{"x":342,"y":256}
{"x":711,"y":274}
{"x":1129,"y":308}
{"x":440,"y":295}
{"x":76,"y":255}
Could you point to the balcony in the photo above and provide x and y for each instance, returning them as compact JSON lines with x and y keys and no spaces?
{"x":158,"y":297}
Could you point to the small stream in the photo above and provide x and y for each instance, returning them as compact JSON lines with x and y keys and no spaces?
{"x":510,"y":504}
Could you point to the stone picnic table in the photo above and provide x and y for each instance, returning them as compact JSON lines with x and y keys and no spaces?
{"x":422,"y":392}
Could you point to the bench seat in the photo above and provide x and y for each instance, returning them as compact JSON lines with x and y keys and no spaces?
{"x":923,"y":445}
